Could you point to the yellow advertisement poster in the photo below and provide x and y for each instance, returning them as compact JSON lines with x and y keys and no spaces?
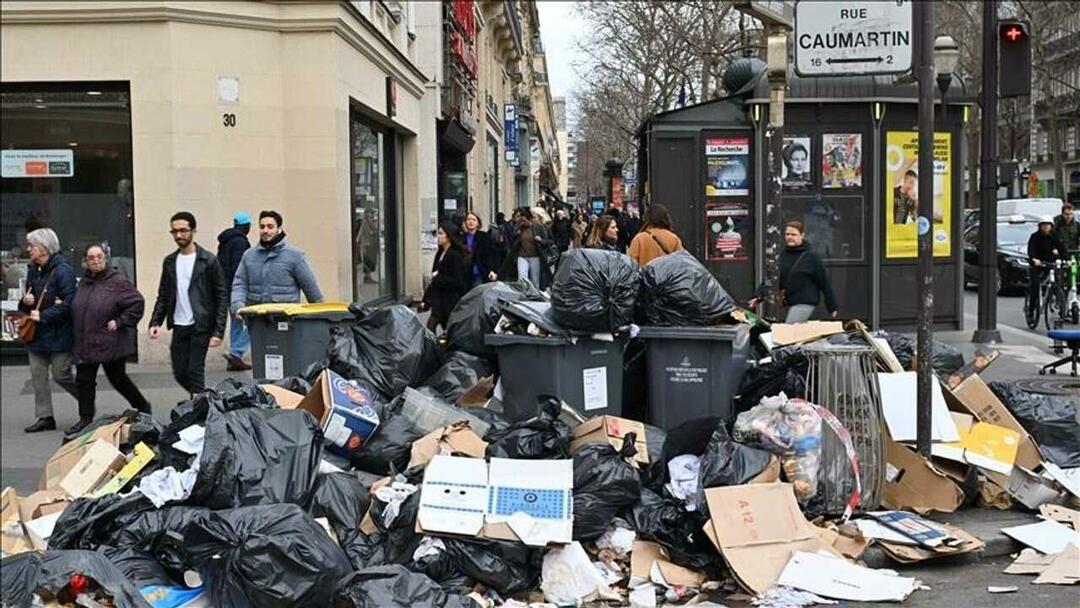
{"x":902,"y":194}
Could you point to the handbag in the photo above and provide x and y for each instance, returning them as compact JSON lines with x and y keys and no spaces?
{"x":26,"y":325}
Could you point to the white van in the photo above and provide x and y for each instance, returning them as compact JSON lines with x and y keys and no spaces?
{"x":1030,"y":207}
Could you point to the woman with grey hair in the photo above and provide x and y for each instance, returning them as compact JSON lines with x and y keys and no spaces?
{"x":50,"y":288}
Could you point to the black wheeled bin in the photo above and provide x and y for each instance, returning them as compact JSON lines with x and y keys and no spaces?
{"x":286,"y":338}
{"x":693,"y":372}
{"x":585,"y":373}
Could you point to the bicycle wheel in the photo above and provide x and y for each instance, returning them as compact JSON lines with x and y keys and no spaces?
{"x":1053,"y":304}
{"x":1031,"y":313}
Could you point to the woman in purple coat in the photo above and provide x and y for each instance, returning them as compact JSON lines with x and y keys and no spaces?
{"x":105,"y":312}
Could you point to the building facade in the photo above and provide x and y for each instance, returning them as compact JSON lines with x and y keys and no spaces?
{"x":1055,"y":97}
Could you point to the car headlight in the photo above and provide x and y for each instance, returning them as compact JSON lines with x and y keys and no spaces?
{"x":1019,"y":262}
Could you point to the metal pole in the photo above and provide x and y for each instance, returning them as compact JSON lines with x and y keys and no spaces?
{"x":987,"y":330}
{"x":924,"y":17}
{"x":774,"y":145}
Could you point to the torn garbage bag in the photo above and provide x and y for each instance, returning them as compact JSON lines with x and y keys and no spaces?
{"x":56,"y":571}
{"x":678,"y":291}
{"x":89,"y":523}
{"x":255,"y":457}
{"x":507,"y":567}
{"x":594,"y":290}
{"x":394,"y":587}
{"x":161,"y":533}
{"x":139,"y":567}
{"x":392,"y":537}
{"x":542,"y":437}
{"x":266,"y":556}
{"x":605,"y":484}
{"x":477,"y":313}
{"x":665,"y":521}
{"x":459,"y":374}
{"x":727,"y":463}
{"x":342,"y":500}
{"x":1051,"y":420}
{"x":388,"y":450}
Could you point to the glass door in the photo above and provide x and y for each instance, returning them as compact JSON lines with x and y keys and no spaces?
{"x":372,"y":211}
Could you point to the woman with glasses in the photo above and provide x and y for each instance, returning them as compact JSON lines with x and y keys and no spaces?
{"x":105,"y":312}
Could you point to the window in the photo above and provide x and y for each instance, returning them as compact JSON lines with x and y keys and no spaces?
{"x":834,"y":224}
{"x":493,"y":177}
{"x":373,"y":211}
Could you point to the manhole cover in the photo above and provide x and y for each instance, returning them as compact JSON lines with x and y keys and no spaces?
{"x":1062,"y":385}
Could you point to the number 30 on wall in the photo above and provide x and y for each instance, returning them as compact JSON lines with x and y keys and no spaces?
{"x":228,"y":120}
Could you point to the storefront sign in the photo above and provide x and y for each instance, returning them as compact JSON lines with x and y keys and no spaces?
{"x":728,"y":165}
{"x":37,"y":163}
{"x":727,"y":231}
{"x":510,"y":134}
{"x":841,"y":160}
{"x":902,"y":194}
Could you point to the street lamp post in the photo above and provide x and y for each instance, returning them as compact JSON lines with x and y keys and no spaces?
{"x":987,"y":331}
{"x":924,"y":16}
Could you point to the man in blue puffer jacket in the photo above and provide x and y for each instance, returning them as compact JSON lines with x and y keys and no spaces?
{"x":274,"y":271}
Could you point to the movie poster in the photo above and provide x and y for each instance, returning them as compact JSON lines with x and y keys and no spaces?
{"x":727,"y":231}
{"x":727,"y":164}
{"x":902,"y":194}
{"x":841,"y":160}
{"x":795,"y":172}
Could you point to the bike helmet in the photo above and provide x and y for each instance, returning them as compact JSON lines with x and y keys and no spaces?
{"x":1046,"y":219}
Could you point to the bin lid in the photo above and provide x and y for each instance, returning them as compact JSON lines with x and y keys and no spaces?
{"x":510,"y":339}
{"x":712,"y":332}
{"x":293,"y":310}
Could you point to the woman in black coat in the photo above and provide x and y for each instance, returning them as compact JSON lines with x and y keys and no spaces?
{"x":449,"y":275}
{"x":484,"y":264}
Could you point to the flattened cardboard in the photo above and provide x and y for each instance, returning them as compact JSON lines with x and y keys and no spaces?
{"x":344,"y":411}
{"x":648,"y":558}
{"x":898,"y":399}
{"x":1064,"y":570}
{"x":757,"y":528}
{"x":611,"y":430}
{"x":840,"y":579}
{"x":477,"y":396}
{"x":96,"y":465}
{"x":42,"y":503}
{"x":457,"y":438}
{"x":987,"y":446}
{"x":1046,"y":536}
{"x":14,"y":539}
{"x":1033,"y":490}
{"x":974,"y":396}
{"x":141,"y":456}
{"x":908,"y":554}
{"x":798,"y":333}
{"x":1058,"y":513}
{"x":69,"y":454}
{"x":977,"y":365}
{"x":286,"y":399}
{"x":914,"y":484}
{"x":1068,"y":478}
{"x":1029,"y":561}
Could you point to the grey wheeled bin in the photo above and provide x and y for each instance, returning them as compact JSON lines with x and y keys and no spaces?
{"x":286,"y":338}
{"x":585,"y":373}
{"x":693,"y":372}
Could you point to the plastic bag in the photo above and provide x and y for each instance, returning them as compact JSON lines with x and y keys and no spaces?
{"x":88,"y":523}
{"x":139,"y":567}
{"x":946,"y":359}
{"x":790,"y":428}
{"x":540,"y":438}
{"x":460,"y":373}
{"x":393,"y":586}
{"x":1051,"y":420}
{"x":594,"y":291}
{"x":727,"y":463}
{"x":665,"y":521}
{"x":604,"y":485}
{"x":268,"y":555}
{"x":678,"y":291}
{"x":385,"y":349}
{"x":526,"y":313}
{"x":52,"y":571}
{"x":342,"y":500}
{"x":297,"y":384}
{"x":161,"y":533}
{"x":786,"y":374}
{"x":902,"y":347}
{"x":393,"y":542}
{"x":143,"y":429}
{"x":507,"y":567}
{"x":389,"y":449}
{"x":479,"y":310}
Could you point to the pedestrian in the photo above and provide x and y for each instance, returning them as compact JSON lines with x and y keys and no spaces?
{"x":578,"y":228}
{"x":604,"y":235}
{"x":50,"y":287}
{"x":802,"y":278}
{"x":524,"y":258}
{"x":192,"y":301}
{"x":656,"y":238}
{"x":1067,"y":229}
{"x":232,"y":243}
{"x":483,"y":263}
{"x":449,"y":275}
{"x":632,"y":228}
{"x":561,"y":231}
{"x":1043,"y":250}
{"x":105,"y":313}
{"x":273,"y":271}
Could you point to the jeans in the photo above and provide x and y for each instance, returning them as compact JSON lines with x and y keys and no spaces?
{"x":1035,"y":279}
{"x":529,"y":268}
{"x":797,"y":313}
{"x":40,"y":364}
{"x":188,"y":351}
{"x":86,"y":383}
{"x":238,"y":337}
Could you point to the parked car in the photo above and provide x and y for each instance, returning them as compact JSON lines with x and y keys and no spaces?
{"x":1012,"y":262}
{"x":1029,"y":207}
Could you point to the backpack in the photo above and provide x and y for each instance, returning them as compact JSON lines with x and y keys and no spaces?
{"x":498,"y":238}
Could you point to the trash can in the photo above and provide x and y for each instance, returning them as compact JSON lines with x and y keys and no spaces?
{"x":286,"y":338}
{"x":693,"y":372}
{"x":585,"y":373}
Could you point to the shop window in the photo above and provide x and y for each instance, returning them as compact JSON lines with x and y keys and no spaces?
{"x":493,"y":177}
{"x":67,"y":166}
{"x":834,"y":224}
{"x":372,"y":211}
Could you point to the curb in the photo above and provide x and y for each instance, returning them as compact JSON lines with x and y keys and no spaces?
{"x":997,"y":545}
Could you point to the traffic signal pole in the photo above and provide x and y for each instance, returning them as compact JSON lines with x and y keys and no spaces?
{"x":987,"y":331}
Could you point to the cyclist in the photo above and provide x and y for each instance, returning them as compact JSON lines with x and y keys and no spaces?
{"x":1043,"y":250}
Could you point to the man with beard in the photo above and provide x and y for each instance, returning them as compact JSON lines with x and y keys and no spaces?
{"x":273,"y":271}
{"x":192,"y":301}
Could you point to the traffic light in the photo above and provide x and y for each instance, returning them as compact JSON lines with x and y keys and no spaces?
{"x":1014,"y":65}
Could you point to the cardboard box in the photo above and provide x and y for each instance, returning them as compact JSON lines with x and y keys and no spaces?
{"x":611,"y":430}
{"x":987,"y":446}
{"x":530,"y":501}
{"x":69,"y":454}
{"x":286,"y":399}
{"x":42,"y":503}
{"x":757,"y":528}
{"x":977,"y":365}
{"x":14,"y":538}
{"x":973,"y":396}
{"x":344,"y":411}
{"x":798,"y":333}
{"x":1033,"y":490}
{"x":97,"y":464}
{"x":650,"y":562}
{"x":141,"y":456}
{"x":457,"y":438}
{"x":914,"y":484}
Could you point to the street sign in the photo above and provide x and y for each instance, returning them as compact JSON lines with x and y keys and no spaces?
{"x":852,"y":38}
{"x":769,"y":12}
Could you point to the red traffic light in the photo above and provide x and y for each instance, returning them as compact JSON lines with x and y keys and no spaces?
{"x":1012,"y":32}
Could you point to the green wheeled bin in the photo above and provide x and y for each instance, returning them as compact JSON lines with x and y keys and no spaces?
{"x":286,"y":338}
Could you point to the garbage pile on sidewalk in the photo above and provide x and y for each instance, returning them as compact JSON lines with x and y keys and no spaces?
{"x":539,"y":459}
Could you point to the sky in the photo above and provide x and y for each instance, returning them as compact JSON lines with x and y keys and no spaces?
{"x":560,"y":28}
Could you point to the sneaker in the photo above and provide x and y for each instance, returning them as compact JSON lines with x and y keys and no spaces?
{"x":79,"y":427}
{"x":42,"y":424}
{"x":235,"y":364}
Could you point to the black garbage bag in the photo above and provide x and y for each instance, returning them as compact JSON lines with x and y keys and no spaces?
{"x":786,"y":374}
{"x":497,"y":421}
{"x":542,"y":437}
{"x":394,"y":542}
{"x":393,"y":586}
{"x":594,"y":290}
{"x":296,"y":384}
{"x":160,"y":532}
{"x":342,"y":500}
{"x":258,"y":457}
{"x":267,"y":555}
{"x":388,"y":450}
{"x":88,"y":523}
{"x":506,"y":567}
{"x":902,"y":346}
{"x":51,"y":571}
{"x":460,"y":373}
{"x":384,"y":349}
{"x":665,"y":521}
{"x":479,"y":310}
{"x":525,"y":313}
{"x":678,"y":291}
{"x":605,"y":484}
{"x":946,"y":359}
{"x":1051,"y":420}
{"x":139,"y":567}
{"x":143,"y":429}
{"x":729,"y":463}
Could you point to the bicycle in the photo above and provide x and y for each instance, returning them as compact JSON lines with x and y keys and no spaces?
{"x":1050,"y":300}
{"x":1071,"y":309}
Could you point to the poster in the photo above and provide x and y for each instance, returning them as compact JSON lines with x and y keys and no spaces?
{"x":727,"y":165}
{"x":37,"y":163}
{"x":841,"y":160}
{"x":727,"y":231}
{"x":902,"y":194}
{"x":795,"y":172}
